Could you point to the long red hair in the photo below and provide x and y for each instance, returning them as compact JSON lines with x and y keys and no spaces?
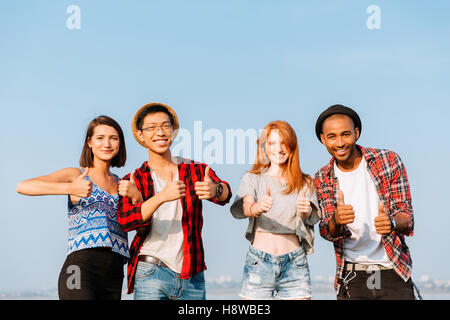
{"x":295,"y":178}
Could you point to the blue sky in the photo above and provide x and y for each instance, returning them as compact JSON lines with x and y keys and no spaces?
{"x":229,"y":64}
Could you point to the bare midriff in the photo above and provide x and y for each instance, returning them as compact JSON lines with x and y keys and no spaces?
{"x":275,"y":243}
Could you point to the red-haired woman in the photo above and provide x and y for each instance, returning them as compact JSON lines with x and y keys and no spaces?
{"x":281,"y":204}
{"x":97,"y":246}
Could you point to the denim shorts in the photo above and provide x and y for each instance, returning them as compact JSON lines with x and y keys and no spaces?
{"x":154,"y":282}
{"x":267,"y":276}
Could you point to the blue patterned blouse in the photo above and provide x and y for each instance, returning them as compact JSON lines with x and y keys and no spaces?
{"x":93,"y":222}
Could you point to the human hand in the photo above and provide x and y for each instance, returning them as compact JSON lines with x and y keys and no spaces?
{"x":80,"y":187}
{"x":382,"y":222}
{"x":344,"y":213}
{"x":205,"y":189}
{"x":128,"y":189}
{"x":173,"y":190}
{"x":304,"y":208}
{"x":263,"y":205}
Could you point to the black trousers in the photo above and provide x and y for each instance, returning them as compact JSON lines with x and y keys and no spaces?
{"x":386,"y":285}
{"x":91,"y":274}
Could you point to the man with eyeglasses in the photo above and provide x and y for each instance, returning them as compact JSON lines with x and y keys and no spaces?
{"x":166,"y":255}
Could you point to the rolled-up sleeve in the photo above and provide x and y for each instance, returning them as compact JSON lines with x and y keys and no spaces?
{"x":246,"y":187}
{"x":315,"y":215}
{"x":129,"y":215}
{"x":400,"y":194}
{"x":327,"y":205}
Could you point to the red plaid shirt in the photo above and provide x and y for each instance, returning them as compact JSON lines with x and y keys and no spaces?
{"x":130,"y":218}
{"x":389,"y":175}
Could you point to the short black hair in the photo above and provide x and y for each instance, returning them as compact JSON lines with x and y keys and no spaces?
{"x":152,"y":109}
{"x":337,"y":109}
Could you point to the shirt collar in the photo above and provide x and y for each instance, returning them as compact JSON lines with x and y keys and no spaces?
{"x":145,"y":167}
{"x":178,"y":160}
{"x":368,"y":156}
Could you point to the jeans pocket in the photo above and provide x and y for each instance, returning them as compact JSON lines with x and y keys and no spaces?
{"x":251,"y":260}
{"x":199,"y":277}
{"x":300,"y":261}
{"x":145,"y":269}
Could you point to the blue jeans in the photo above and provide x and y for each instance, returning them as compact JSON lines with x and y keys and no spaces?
{"x":154,"y":282}
{"x":267,"y":276}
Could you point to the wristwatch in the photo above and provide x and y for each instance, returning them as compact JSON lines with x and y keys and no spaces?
{"x":219,"y":190}
{"x":393,"y":223}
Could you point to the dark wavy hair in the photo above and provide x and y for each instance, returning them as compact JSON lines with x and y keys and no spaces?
{"x":87,"y":157}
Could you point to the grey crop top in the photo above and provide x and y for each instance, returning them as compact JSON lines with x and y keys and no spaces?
{"x":282,"y":217}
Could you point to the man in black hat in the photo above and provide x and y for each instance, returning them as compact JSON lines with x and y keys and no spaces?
{"x":365,"y":198}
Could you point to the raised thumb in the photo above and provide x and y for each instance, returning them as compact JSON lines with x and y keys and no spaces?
{"x":304,"y":192}
{"x":132,"y":176}
{"x":207,"y":176}
{"x":268,"y":191}
{"x":381,"y":209}
{"x":84,"y":173}
{"x":340,"y":197}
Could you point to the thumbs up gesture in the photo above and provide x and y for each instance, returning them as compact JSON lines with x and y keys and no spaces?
{"x":382,"y":221}
{"x":128,"y":189}
{"x":205,"y":189}
{"x":304,"y":208}
{"x":174,"y":189}
{"x":263,"y":205}
{"x":81,"y":187}
{"x":344,"y":213}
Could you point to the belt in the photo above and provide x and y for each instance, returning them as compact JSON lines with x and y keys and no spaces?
{"x":152,"y":260}
{"x":350,"y":266}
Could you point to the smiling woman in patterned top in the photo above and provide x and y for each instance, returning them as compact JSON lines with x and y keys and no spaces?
{"x":97,"y":246}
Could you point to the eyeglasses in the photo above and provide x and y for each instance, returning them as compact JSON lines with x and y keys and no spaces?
{"x":164,"y":127}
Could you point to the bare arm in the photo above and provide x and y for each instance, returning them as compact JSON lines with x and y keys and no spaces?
{"x":248,"y":201}
{"x":335,"y":229}
{"x":151,"y":205}
{"x":254,"y":208}
{"x":402,"y":223}
{"x":58,"y":182}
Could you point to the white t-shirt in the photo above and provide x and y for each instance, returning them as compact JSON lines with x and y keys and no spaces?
{"x":165,"y":239}
{"x":364,"y":246}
